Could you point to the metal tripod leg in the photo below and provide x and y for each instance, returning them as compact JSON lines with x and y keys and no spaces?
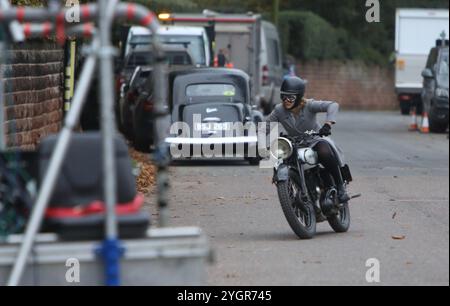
{"x":111,"y":245}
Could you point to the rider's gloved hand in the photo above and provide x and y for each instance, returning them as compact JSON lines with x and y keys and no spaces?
{"x":325,"y":130}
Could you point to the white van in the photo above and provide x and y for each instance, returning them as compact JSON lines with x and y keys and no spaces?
{"x":271,"y":66}
{"x":194,"y":39}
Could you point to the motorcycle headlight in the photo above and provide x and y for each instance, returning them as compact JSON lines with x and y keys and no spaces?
{"x":282,"y":149}
{"x":442,"y":92}
{"x":308,"y":156}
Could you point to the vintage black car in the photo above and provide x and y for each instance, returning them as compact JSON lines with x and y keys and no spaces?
{"x":212,"y":114}
{"x":135,"y":105}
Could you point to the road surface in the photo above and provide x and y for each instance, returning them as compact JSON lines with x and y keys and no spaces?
{"x":402,"y":220}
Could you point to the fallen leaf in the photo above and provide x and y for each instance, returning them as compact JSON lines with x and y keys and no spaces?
{"x":400,"y":237}
{"x":147,"y":171}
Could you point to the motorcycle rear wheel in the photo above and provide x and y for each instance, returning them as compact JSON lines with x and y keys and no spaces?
{"x":340,"y":222}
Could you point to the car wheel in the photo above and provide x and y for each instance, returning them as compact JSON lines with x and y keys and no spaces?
{"x":437,"y":126}
{"x":254,"y":161}
{"x":141,"y":145}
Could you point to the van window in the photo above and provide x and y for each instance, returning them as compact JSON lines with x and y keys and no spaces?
{"x":273,"y":52}
{"x":194,"y":44}
{"x":139,"y":59}
{"x":179,"y":58}
{"x":442,"y":72}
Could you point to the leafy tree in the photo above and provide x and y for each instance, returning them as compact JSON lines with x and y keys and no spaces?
{"x":341,"y":25}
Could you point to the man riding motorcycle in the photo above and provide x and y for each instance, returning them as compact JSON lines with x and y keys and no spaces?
{"x":298,"y":115}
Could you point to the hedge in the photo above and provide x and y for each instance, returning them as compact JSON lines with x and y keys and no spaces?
{"x":307,"y":36}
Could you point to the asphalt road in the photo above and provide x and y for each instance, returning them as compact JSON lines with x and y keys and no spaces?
{"x":404,"y":179}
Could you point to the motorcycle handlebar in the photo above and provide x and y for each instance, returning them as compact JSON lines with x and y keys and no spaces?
{"x":304,"y":134}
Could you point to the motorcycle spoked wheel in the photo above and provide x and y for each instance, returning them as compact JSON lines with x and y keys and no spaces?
{"x":300,"y":216}
{"x":340,"y":222}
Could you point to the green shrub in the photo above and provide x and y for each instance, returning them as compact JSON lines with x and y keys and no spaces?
{"x":307,"y":37}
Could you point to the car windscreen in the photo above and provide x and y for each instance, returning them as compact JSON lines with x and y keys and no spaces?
{"x":210,"y":90}
{"x":442,"y":71}
{"x":194,"y":44}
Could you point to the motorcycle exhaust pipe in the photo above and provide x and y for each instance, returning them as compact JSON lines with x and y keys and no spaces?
{"x":356,"y":196}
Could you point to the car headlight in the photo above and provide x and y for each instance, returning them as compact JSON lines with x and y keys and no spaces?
{"x":309,"y":156}
{"x":282,"y":148}
{"x":442,"y":92}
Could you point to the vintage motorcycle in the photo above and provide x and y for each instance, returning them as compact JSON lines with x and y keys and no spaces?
{"x":307,"y":192}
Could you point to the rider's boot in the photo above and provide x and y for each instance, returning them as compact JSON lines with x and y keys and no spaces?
{"x":343,"y":196}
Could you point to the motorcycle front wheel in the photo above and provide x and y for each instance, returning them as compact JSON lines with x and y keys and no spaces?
{"x":300,"y":216}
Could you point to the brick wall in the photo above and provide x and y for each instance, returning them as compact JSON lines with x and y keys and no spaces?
{"x":34,"y":93}
{"x":352,"y":84}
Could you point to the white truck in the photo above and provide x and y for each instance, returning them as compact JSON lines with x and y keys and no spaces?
{"x":195,"y":39}
{"x":249,"y":43}
{"x":416,"y":33}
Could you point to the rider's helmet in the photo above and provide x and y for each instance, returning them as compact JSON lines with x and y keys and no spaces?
{"x":293,"y":88}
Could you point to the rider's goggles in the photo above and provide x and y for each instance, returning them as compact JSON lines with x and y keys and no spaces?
{"x":288,"y":97}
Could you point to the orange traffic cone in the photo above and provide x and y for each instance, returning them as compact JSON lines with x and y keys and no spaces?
{"x":425,"y":124}
{"x":413,"y":125}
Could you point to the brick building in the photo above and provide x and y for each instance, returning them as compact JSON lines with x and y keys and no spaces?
{"x":34,"y":78}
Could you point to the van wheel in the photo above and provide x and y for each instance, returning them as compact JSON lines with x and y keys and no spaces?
{"x":405,"y":108}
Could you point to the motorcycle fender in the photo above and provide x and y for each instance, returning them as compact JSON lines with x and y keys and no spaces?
{"x":282,"y":174}
{"x":346,"y":174}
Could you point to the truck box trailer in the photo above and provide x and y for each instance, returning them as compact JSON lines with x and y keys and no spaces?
{"x":249,"y":43}
{"x":416,"y":33}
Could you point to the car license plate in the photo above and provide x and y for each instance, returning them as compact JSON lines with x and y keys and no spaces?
{"x":215,"y":127}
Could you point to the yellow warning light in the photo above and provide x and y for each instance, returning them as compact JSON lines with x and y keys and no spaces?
{"x":164,"y":16}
